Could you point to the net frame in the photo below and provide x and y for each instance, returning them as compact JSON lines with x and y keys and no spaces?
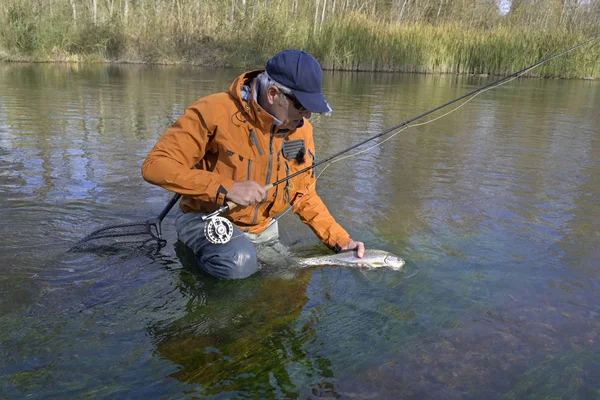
{"x":129,"y":234}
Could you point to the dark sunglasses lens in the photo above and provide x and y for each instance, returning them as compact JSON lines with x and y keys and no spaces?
{"x":296,"y":103}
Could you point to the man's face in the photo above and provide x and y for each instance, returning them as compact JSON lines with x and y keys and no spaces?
{"x":287,"y":109}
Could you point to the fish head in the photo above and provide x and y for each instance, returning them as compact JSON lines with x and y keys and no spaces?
{"x":394,"y":262}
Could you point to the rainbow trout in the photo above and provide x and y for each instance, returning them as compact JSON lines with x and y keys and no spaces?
{"x":371,"y":259}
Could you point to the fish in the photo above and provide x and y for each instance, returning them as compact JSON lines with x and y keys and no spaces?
{"x":371,"y":259}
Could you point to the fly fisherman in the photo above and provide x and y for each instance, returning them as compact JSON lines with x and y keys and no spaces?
{"x":228,"y":146}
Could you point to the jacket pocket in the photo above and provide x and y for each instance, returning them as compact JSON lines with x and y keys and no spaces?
{"x":239,"y":166}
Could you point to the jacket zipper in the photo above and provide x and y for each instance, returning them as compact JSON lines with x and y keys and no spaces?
{"x":270,"y":155}
{"x":268,"y":172}
{"x":249,"y":169}
{"x":286,"y":190}
{"x":253,"y":137}
{"x":246,"y":229}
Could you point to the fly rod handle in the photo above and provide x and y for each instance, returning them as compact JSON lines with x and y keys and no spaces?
{"x":231,"y":205}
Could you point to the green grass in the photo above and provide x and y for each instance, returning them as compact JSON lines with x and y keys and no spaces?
{"x":209,"y":33}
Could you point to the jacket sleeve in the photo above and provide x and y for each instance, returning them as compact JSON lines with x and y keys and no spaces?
{"x":312,"y":211}
{"x":170,"y":163}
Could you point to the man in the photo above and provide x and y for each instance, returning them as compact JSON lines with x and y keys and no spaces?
{"x":229,"y":146}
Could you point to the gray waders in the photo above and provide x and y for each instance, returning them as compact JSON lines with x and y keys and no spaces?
{"x":235,"y":259}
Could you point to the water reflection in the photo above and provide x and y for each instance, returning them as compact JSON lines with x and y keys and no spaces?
{"x":497,"y":203}
{"x":241,"y":335}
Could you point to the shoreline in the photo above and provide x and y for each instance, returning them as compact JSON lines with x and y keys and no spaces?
{"x":78,"y":59}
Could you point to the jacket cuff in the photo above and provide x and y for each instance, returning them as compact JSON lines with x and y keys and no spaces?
{"x":222,"y":190}
{"x":340,"y":244}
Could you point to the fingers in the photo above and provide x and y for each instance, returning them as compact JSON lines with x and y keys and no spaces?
{"x":358,"y":246}
{"x":360,"y":249}
{"x":246,"y":193}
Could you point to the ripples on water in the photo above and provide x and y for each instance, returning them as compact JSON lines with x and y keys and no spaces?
{"x":496,"y":205}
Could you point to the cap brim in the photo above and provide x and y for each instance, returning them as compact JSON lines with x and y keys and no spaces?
{"x":313,"y":102}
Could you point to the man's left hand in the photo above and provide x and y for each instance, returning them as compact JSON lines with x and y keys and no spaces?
{"x":358,"y":246}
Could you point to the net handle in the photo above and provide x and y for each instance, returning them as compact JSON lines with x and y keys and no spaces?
{"x":168,"y":207}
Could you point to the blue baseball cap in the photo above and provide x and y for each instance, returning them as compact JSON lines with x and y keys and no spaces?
{"x":301,"y":72}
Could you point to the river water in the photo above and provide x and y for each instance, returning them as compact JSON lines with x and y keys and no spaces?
{"x":495,"y":207}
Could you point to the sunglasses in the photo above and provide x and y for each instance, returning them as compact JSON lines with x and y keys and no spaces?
{"x":295,"y":102}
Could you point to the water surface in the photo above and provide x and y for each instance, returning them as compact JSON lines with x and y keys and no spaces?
{"x":495,"y":206}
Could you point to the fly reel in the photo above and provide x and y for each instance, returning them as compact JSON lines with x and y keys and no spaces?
{"x":218,"y":230}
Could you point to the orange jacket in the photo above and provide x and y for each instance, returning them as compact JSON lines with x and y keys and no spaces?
{"x":222,"y":139}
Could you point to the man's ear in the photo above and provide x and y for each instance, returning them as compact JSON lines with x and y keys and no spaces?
{"x":272,"y":92}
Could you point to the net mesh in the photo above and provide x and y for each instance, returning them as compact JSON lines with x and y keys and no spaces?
{"x":145,"y":234}
{"x":142,"y":235}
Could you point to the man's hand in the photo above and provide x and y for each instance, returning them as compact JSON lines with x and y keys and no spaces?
{"x":246,"y":193}
{"x":358,"y":246}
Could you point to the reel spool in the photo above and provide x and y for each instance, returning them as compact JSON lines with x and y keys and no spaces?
{"x":218,"y":230}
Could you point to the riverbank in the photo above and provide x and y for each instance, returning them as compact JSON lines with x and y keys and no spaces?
{"x":354,"y":41}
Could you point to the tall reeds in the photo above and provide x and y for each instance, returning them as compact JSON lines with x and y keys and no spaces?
{"x":426,"y":36}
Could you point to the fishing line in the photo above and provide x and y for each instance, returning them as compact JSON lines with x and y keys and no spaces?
{"x":406,"y":123}
{"x":311,"y":186}
{"x":472,"y":95}
{"x":391,"y":137}
{"x":402,"y":127}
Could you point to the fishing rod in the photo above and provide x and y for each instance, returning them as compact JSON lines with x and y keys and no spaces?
{"x":230,"y":205}
{"x":220,"y":230}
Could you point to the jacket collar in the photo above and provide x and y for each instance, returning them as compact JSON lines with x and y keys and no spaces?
{"x":244,"y":91}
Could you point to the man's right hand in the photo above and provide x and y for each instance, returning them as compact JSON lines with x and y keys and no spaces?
{"x":246,"y":193}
